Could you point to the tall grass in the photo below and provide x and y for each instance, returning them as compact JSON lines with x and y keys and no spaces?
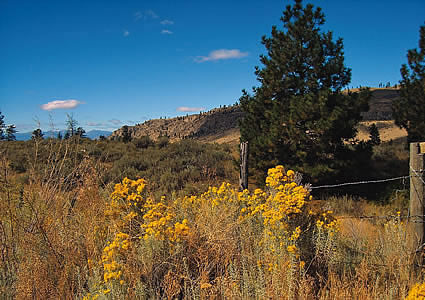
{"x":65,"y":234}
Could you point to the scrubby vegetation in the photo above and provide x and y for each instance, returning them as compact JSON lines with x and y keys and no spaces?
{"x":70,"y":229}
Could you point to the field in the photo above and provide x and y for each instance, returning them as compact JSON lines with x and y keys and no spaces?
{"x":78,"y":221}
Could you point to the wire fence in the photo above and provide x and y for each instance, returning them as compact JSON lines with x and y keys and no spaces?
{"x":360,"y":182}
{"x":408,"y":217}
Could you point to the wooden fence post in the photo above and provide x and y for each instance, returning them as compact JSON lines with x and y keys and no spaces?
{"x":243,"y":176}
{"x":416,"y":205}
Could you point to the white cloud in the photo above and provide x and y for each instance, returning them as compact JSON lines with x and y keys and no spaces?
{"x":126,"y":33}
{"x":115,"y":121}
{"x":221,"y":54}
{"x":138,"y":15}
{"x":150,"y":14}
{"x":167,"y":22}
{"x":94,"y":124}
{"x":147,"y":14}
{"x":190,"y":109}
{"x":61,"y":104}
{"x":166,"y":31}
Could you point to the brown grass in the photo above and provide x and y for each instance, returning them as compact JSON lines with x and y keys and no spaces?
{"x":53,"y":231}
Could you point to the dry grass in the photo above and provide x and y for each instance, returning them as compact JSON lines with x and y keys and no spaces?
{"x":387,"y":130}
{"x":53,"y":230}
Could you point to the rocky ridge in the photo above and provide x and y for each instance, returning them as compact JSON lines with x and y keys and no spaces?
{"x":214,"y":122}
{"x":221,"y":124}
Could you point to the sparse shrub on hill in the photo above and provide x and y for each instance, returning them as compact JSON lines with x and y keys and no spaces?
{"x":143,"y":142}
{"x":163,"y":141}
{"x":375,"y":138}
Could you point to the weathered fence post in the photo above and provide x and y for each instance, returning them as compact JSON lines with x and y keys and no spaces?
{"x":416,"y":205}
{"x":243,"y":176}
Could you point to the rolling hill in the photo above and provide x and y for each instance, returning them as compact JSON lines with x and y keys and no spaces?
{"x":220,"y":125}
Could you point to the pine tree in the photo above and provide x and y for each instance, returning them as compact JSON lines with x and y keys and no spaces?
{"x":10,"y":133}
{"x":37,"y":134}
{"x":80,"y":132}
{"x":126,"y":136}
{"x":299,"y":116}
{"x":71,"y":124}
{"x":409,"y":109}
{"x":375,"y":137}
{"x":2,"y":127}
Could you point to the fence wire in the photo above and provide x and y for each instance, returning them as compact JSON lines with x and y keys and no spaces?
{"x":413,"y":219}
{"x":359,"y":182}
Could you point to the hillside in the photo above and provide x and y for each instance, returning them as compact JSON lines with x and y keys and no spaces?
{"x":213,"y":124}
{"x":220,"y":125}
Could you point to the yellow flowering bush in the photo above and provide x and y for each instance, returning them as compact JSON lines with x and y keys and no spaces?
{"x":133,"y":218}
{"x":204,"y":230}
{"x":417,"y":292}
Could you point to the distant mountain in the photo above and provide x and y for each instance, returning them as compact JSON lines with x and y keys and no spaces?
{"x":92,"y":134}
{"x":95,"y":134}
{"x":23,"y":136}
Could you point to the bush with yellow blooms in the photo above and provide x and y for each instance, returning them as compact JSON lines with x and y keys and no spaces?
{"x":214,"y":243}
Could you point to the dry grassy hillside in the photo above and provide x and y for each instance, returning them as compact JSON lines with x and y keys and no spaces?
{"x":205,"y":126}
{"x":220,"y":125}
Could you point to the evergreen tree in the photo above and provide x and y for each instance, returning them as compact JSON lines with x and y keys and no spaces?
{"x":126,"y":136}
{"x":2,"y":127}
{"x":299,"y":116}
{"x":375,"y":137}
{"x":10,"y":133}
{"x":409,"y":109}
{"x":59,"y":137}
{"x":80,"y":132}
{"x":71,"y":124}
{"x":37,"y":134}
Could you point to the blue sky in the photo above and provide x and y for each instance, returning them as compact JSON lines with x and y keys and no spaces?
{"x":111,"y":63}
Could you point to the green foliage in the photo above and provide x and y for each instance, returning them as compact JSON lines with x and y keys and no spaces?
{"x":409,"y":109}
{"x":80,"y":132}
{"x":375,"y":138}
{"x":2,"y":126}
{"x":163,"y":141}
{"x":37,"y":134}
{"x":176,"y":167}
{"x":71,"y":125}
{"x":186,"y":166}
{"x":299,"y":117}
{"x":143,"y":142}
{"x":6,"y":133}
{"x":126,"y":136}
{"x":10,"y":133}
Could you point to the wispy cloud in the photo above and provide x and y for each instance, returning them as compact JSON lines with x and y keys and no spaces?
{"x":115,"y":121}
{"x":145,"y":15}
{"x":126,"y":33}
{"x":95,"y":124}
{"x":138,"y":15}
{"x":221,"y":54}
{"x":61,"y":104}
{"x":167,"y":22}
{"x":166,"y":31}
{"x":190,"y":109}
